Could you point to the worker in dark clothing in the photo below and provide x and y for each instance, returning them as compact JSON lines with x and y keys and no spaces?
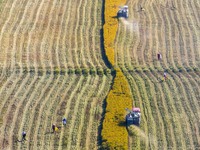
{"x":165,"y":75}
{"x":23,"y":136}
{"x":64,"y":121}
{"x":53,"y":128}
{"x":159,"y":56}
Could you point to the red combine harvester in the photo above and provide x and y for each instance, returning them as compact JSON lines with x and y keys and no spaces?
{"x":133,"y":117}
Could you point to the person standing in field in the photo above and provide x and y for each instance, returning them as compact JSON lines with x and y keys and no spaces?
{"x":159,"y":56}
{"x":165,"y":76}
{"x":23,"y":136}
{"x":53,"y":128}
{"x":64,"y":121}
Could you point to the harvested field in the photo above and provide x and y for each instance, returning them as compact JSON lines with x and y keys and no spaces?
{"x":170,"y":109}
{"x":51,"y":67}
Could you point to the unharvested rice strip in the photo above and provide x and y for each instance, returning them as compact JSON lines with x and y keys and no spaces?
{"x":37,"y":96}
{"x":64,"y":138}
{"x":95,"y":114}
{"x":8,"y":108}
{"x":183,"y":110}
{"x":82,"y":17}
{"x":72,"y":33}
{"x":26,"y":86}
{"x":52,"y":34}
{"x":120,"y":39}
{"x":74,"y":115}
{"x":65,"y":105}
{"x":165,"y":112}
{"x":118,"y":46}
{"x":60,"y":51}
{"x":86,"y":110}
{"x":49,"y":116}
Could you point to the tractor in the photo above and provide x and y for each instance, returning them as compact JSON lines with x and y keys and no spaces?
{"x":123,"y":12}
{"x":133,"y":117}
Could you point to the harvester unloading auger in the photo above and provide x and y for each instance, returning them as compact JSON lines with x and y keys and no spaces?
{"x":123,"y":12}
{"x":133,"y":117}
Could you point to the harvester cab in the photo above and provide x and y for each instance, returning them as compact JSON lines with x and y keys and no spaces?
{"x":123,"y":12}
{"x":133,"y":117}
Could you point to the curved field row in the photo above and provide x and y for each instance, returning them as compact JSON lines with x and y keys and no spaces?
{"x":51,"y":34}
{"x":166,"y":27}
{"x":169,"y":119}
{"x":170,"y":110}
{"x":33,"y":103}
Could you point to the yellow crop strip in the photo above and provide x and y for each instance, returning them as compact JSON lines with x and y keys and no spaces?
{"x":114,"y":133}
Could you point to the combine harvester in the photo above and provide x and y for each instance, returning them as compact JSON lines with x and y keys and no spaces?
{"x":133,"y":117}
{"x":123,"y":12}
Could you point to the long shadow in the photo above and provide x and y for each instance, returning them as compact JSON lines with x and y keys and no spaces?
{"x":103,"y":53}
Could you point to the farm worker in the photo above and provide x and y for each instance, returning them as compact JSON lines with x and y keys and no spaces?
{"x":165,"y":75}
{"x":53,"y":128}
{"x":23,"y":135}
{"x":64,"y":121}
{"x":56,"y":129}
{"x":159,"y":56}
